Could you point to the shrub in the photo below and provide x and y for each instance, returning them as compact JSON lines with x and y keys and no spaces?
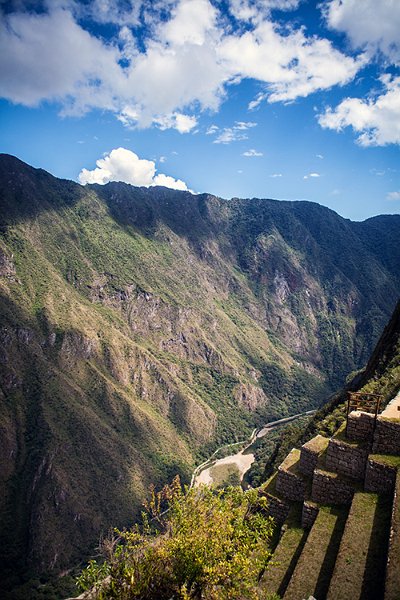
{"x":198,"y":543}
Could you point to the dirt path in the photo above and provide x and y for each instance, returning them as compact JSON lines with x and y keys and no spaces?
{"x":392,"y":410}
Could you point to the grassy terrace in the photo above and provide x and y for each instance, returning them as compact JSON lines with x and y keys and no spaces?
{"x":360,"y":566}
{"x":386,"y":459}
{"x":288,"y":550}
{"x":291,"y":461}
{"x":317,"y":444}
{"x":392,"y":586}
{"x":340,"y":435}
{"x":314,"y":568}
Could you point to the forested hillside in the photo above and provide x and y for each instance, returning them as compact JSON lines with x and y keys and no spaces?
{"x":142,"y":327}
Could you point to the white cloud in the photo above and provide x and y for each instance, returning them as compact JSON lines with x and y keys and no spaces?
{"x":180,"y":122}
{"x":131,"y":118}
{"x":319,"y":156}
{"x":243,"y":125}
{"x":256,"y":10}
{"x":231,"y":134}
{"x":312,"y":176}
{"x":185,"y":63}
{"x":291,"y":64}
{"x":252,"y":152}
{"x":372,"y":24}
{"x":124,"y":165}
{"x":112,"y":11}
{"x":274,"y":175}
{"x":212,"y":129}
{"x":162,"y":159}
{"x":169,"y":182}
{"x":393,"y":196}
{"x":376,"y":120}
{"x":50,"y":57}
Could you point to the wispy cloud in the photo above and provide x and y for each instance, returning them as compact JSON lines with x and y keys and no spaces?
{"x":393,"y":196}
{"x":312,"y":176}
{"x":232,"y":134}
{"x":252,"y":152}
{"x":274,"y":175}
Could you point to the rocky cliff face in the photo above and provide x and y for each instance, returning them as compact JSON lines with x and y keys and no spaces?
{"x":141,"y":327}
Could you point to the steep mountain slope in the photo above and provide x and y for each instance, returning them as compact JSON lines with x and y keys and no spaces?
{"x":140,"y":327}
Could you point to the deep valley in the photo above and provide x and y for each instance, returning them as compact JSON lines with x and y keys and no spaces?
{"x":143,"y":327}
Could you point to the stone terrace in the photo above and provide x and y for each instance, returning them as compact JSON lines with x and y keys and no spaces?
{"x":361,"y":461}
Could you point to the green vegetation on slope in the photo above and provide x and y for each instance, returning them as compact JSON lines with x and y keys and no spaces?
{"x":141,"y":328}
{"x":360,"y":566}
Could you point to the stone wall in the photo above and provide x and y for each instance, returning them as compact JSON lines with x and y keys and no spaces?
{"x":379,"y":477}
{"x":386,"y":437}
{"x":290,"y":486}
{"x":309,"y":514}
{"x":392,"y":583}
{"x":346,"y":459}
{"x":360,"y":425}
{"x":277,"y":509}
{"x":328,"y":488}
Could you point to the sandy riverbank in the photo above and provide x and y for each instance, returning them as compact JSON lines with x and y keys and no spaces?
{"x":242,"y":461}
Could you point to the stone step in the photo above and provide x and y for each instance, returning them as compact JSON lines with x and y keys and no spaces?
{"x":310,"y":454}
{"x":387,"y":436}
{"x":291,"y":483}
{"x":331,"y":488}
{"x":315,"y":565}
{"x":278,"y":507}
{"x":380,"y":475}
{"x":392,"y":583}
{"x":284,"y":559}
{"x":360,"y":564}
{"x":309,"y":513}
{"x":347,"y":457}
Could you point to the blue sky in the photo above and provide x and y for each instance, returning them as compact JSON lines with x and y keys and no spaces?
{"x":284,"y":99}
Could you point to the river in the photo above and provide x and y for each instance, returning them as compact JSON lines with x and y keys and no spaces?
{"x":243,"y":462}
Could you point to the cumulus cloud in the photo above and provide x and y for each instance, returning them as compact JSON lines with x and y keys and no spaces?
{"x":312,"y":176}
{"x":370,"y":24}
{"x":184,"y":63}
{"x":393,"y":196}
{"x":50,"y":57}
{"x":376,"y":120}
{"x":124,"y":165}
{"x":252,"y":152}
{"x":291,"y":65}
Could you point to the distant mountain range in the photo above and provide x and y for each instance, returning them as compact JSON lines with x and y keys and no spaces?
{"x":142,"y":327}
